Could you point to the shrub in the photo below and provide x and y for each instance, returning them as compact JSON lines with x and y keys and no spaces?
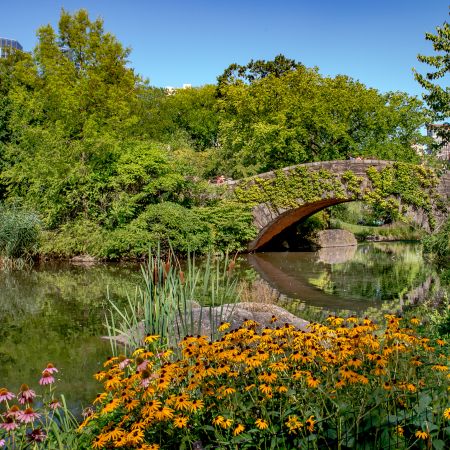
{"x":347,"y":384}
{"x":439,"y":243}
{"x":19,"y":232}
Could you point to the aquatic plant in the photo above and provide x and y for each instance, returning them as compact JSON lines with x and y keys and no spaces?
{"x":19,"y":232}
{"x":164,"y":304}
{"x":347,"y":384}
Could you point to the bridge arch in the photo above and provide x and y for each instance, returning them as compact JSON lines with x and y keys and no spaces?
{"x":284,"y":197}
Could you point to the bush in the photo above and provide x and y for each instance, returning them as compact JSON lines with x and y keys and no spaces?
{"x":19,"y":232}
{"x":345,"y":385}
{"x":438,"y":244}
{"x":225,"y":227}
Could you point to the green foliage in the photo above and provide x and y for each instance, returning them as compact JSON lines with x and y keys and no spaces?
{"x":19,"y":232}
{"x":186,"y":118}
{"x":438,"y":244}
{"x":256,"y":70}
{"x":225,"y":227}
{"x":438,"y":95}
{"x":112,"y":165}
{"x":279,"y":118}
{"x":397,"y":231}
{"x":288,"y":189}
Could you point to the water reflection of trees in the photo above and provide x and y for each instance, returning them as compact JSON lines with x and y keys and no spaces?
{"x":55,"y":313}
{"x":369,"y":275}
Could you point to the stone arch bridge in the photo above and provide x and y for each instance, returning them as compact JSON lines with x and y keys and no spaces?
{"x":281,"y":198}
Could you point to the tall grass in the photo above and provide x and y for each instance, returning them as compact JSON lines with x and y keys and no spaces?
{"x":168,"y":302}
{"x":19,"y":233}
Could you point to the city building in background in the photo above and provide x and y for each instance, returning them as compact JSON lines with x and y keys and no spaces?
{"x":7,"y":46}
{"x":433,"y":132}
{"x":170,"y":90}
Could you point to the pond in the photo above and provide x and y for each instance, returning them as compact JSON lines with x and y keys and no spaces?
{"x":54,"y":312}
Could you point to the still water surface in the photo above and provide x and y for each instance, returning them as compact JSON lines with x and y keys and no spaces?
{"x":55,"y":311}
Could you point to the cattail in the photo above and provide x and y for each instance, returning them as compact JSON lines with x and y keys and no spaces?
{"x":181,"y":277}
{"x":167,"y":267}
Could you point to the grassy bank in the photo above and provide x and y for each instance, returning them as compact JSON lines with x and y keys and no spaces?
{"x":394,"y":232}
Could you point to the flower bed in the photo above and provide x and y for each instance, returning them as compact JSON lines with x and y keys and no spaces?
{"x":346,"y":384}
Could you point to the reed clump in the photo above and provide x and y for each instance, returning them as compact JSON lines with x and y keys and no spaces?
{"x":19,"y":233}
{"x":164,"y":304}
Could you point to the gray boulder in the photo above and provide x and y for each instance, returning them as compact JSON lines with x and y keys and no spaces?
{"x":205,"y":320}
{"x":334,"y":238}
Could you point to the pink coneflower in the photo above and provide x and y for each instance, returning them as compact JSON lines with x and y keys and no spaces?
{"x":146,"y":376}
{"x":37,"y":435}
{"x":47,"y":378}
{"x":124,"y":362}
{"x":87,"y":412}
{"x":2,"y":442}
{"x":54,"y":404}
{"x":142,"y":364}
{"x":25,"y":395}
{"x":13,"y":412}
{"x":50,"y":368}
{"x":9,"y":424}
{"x":5,"y":395}
{"x":28,"y":415}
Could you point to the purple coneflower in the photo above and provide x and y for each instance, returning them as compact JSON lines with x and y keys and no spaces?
{"x":47,"y":378}
{"x":50,"y":368}
{"x":2,"y":442}
{"x":37,"y":435}
{"x":28,"y":415}
{"x":54,"y":404}
{"x":145,"y":375}
{"x":26,"y":394}
{"x":13,"y":412}
{"x":9,"y":424}
{"x":5,"y":395}
{"x":124,"y":363}
{"x":142,"y":366}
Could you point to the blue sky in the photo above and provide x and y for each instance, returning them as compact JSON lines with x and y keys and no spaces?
{"x":193,"y":41}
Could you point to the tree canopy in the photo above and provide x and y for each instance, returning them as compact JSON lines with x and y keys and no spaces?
{"x":298,"y":115}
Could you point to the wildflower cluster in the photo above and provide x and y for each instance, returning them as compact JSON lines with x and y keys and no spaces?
{"x":348,"y":382}
{"x":26,"y":417}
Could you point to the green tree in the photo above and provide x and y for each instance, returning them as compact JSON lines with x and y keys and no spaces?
{"x":186,"y":118}
{"x":297,"y":115}
{"x":256,"y":70}
{"x":71,"y":103}
{"x":437,"y":96}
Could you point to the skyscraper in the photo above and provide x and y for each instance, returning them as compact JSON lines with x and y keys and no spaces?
{"x":8,"y":45}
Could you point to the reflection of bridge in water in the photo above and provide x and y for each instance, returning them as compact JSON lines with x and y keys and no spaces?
{"x":345,"y":278}
{"x":294,"y":284}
